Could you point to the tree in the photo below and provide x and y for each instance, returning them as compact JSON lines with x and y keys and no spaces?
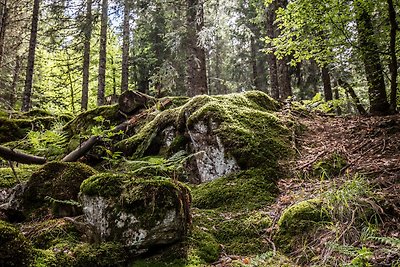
{"x":196,"y":61}
{"x":372,"y":62}
{"x":125,"y":47}
{"x":86,"y":55}
{"x":393,"y":58}
{"x":26,"y":105}
{"x":102,"y":54}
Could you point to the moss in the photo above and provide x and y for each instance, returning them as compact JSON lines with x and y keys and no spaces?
{"x":104,"y":184}
{"x":57,"y":180}
{"x":238,"y":233}
{"x":48,"y":233}
{"x":245,"y":123}
{"x":203,"y":246}
{"x":7,"y":178}
{"x":15,"y":250}
{"x":81,"y":255}
{"x":139,"y":196}
{"x":15,"y":129}
{"x":330,"y":166}
{"x":85,"y":121}
{"x":298,"y":220}
{"x":37,"y":113}
{"x":245,"y":190}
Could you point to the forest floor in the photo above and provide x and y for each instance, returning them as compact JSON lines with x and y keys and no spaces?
{"x":371,"y":147}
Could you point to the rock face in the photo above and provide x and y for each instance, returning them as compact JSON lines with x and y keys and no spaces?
{"x":138,"y":213}
{"x":211,"y":159}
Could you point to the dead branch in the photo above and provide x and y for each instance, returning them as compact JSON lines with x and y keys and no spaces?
{"x":17,"y":156}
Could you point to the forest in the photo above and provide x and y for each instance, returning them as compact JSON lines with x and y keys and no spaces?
{"x":199,"y":133}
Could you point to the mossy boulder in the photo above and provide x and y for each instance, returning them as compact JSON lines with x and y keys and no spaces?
{"x":15,"y":249}
{"x":137,"y":213}
{"x":8,"y":179}
{"x":55,"y":186}
{"x":245,"y":190}
{"x":225,"y":133}
{"x":298,"y":221}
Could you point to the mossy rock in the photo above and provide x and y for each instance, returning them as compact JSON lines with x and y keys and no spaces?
{"x":15,"y":129}
{"x":245,"y":124}
{"x":104,"y":116}
{"x":56,"y":185}
{"x":245,"y":190}
{"x":297,"y":221}
{"x":138,"y":213}
{"x":15,"y":249}
{"x":330,"y":167}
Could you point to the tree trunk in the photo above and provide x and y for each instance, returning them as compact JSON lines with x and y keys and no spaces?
{"x":326,"y":80}
{"x":102,"y":54}
{"x":3,"y":27}
{"x":393,"y":58}
{"x":125,"y":49}
{"x":86,"y":56}
{"x":13,"y":91}
{"x":26,"y":104}
{"x":271,"y":58}
{"x":253,"y":60}
{"x":372,"y":62}
{"x":284,"y":80}
{"x":196,"y":62}
{"x":353,"y":94}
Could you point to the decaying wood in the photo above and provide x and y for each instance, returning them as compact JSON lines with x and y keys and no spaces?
{"x":17,"y":156}
{"x":131,"y":101}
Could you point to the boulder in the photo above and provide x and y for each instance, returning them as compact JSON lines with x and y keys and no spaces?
{"x":53,"y":187}
{"x":137,"y":213}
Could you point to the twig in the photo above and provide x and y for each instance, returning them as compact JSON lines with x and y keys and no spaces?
{"x":311,"y":162}
{"x":13,"y":169}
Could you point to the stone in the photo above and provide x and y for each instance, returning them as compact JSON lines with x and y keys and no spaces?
{"x":137,"y":213}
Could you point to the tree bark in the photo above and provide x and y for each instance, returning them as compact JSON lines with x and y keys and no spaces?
{"x":102,"y":54}
{"x":353,"y":95}
{"x":86,"y":56}
{"x":13,"y":91}
{"x":196,"y":61}
{"x":393,"y":58}
{"x":20,"y":157}
{"x":26,"y":104}
{"x":125,"y":48}
{"x":271,"y":58}
{"x":372,"y":62}
{"x":3,"y":27}
{"x":326,"y":80}
{"x":284,"y":79}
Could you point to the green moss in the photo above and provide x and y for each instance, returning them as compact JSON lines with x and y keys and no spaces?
{"x":15,"y":250}
{"x":245,"y":190}
{"x":56,"y":180}
{"x":244,"y":122}
{"x":330,"y":166}
{"x":81,"y":255}
{"x":203,"y":246}
{"x":7,"y":178}
{"x":48,"y":233}
{"x":298,"y":220}
{"x":104,"y":184}
{"x":139,"y":196}
{"x":85,"y":121}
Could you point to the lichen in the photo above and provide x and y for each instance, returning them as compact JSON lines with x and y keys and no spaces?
{"x":245,"y":190}
{"x":15,"y":250}
{"x":298,"y":220}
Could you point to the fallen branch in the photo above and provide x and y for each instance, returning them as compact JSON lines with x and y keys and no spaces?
{"x":17,"y":156}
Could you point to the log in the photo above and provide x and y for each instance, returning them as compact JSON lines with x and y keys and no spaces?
{"x":82,"y":149}
{"x":130,"y":101}
{"x":17,"y":156}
